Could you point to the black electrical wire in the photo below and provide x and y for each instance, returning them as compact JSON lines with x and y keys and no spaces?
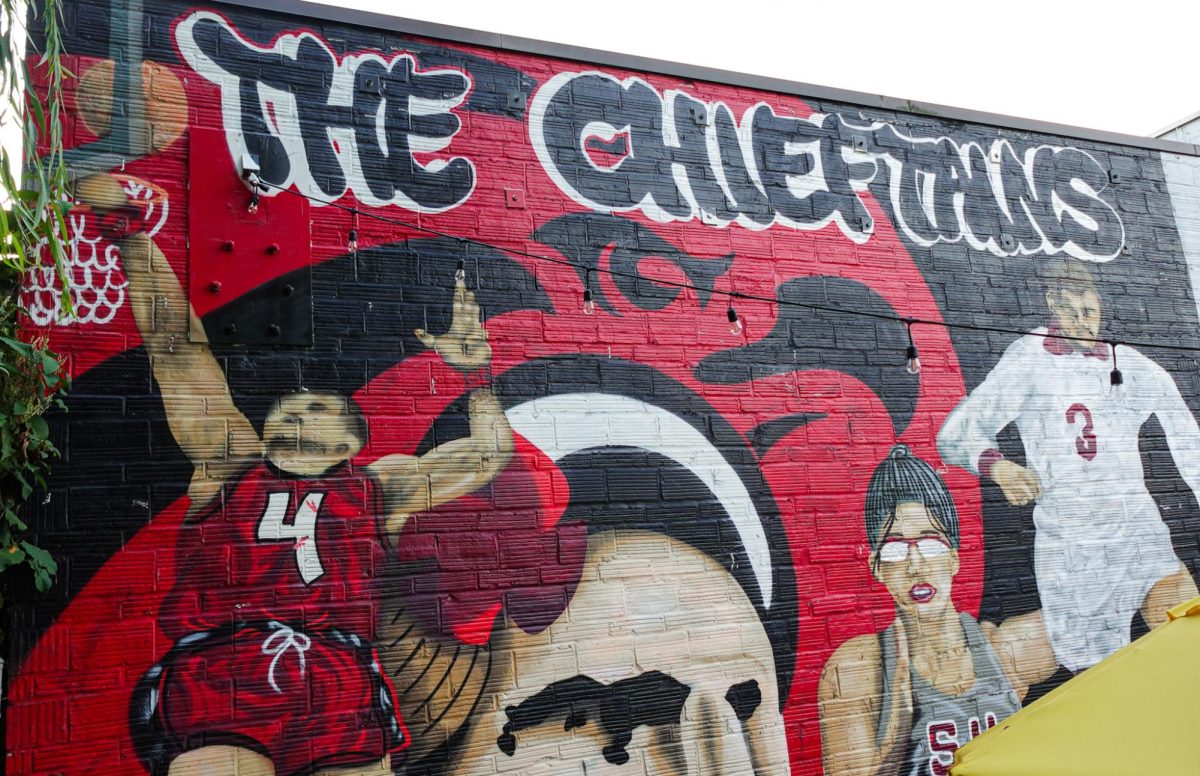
{"x":907,"y":320}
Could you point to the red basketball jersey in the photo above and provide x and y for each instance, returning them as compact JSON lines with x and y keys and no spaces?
{"x":301,"y":551}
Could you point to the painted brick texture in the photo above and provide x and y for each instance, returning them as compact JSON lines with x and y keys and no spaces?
{"x":325,"y":506}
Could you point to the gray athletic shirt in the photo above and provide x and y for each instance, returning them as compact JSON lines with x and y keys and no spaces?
{"x":942,"y":723}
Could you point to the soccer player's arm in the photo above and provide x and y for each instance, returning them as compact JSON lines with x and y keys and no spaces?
{"x":416,"y":483}
{"x":968,"y":435}
{"x":200,"y":412}
{"x":1177,"y":421}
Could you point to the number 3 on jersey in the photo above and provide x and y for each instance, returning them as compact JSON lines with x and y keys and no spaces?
{"x":1085,"y":443}
{"x":273,"y":526}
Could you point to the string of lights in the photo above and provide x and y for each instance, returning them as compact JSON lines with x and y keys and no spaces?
{"x":913,"y":361}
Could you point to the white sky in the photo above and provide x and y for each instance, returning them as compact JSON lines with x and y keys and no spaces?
{"x":1128,"y":67}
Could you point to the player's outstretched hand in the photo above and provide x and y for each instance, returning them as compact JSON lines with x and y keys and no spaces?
{"x":464,"y":346}
{"x":1019,"y":485}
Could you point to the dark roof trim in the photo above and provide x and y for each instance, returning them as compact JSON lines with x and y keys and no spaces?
{"x":395,"y":24}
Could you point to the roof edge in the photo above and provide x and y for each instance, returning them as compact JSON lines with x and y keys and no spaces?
{"x":396,"y":24}
{"x":1174,"y":125}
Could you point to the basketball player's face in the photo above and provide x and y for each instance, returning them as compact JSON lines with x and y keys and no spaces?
{"x":1077,"y":314}
{"x":309,"y":433}
{"x":916,"y":563}
{"x":659,"y":664}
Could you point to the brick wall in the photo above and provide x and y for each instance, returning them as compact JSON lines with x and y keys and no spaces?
{"x":355,"y":513}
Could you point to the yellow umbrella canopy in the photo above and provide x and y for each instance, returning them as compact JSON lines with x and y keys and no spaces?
{"x":1136,"y":712}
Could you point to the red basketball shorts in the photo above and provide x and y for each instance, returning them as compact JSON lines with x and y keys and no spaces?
{"x":305,"y":700}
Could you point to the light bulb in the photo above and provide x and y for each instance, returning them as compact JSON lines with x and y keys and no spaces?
{"x":914,"y":362}
{"x":735,"y":323}
{"x":1116,"y":387}
{"x":460,"y":274}
{"x":252,"y":208}
{"x":1116,"y":380}
{"x":352,"y":243}
{"x":589,"y":306}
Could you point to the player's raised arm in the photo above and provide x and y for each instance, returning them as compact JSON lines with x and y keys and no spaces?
{"x":413,"y":484}
{"x":852,"y":698}
{"x":200,"y":412}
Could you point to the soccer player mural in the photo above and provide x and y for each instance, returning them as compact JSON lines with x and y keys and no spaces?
{"x":1102,"y":551}
{"x":444,"y":407}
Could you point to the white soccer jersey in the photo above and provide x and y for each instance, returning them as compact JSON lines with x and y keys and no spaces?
{"x":1101,"y":543}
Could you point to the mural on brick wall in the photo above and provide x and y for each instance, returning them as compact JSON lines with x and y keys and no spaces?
{"x":525,"y":416}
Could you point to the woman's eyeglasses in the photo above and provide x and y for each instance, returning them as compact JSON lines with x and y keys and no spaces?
{"x":896,"y":550}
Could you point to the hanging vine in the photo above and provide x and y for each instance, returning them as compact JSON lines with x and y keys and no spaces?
{"x":32,"y":226}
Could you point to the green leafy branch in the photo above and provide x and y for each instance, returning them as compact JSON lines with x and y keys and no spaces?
{"x":37,"y":203}
{"x":32,"y":381}
{"x":32,"y":377}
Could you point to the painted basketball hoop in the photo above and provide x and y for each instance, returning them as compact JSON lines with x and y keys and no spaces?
{"x":97,"y":282}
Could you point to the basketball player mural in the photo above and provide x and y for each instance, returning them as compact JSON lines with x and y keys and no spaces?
{"x":705,"y":699}
{"x":1102,"y":551}
{"x":273,"y":611}
{"x":704,"y":703}
{"x":904,"y":700}
{"x":642,"y":547}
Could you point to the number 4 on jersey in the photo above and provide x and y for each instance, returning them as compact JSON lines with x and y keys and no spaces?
{"x":273,"y":526}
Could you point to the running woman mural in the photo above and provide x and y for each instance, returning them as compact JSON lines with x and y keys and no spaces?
{"x":355,"y":482}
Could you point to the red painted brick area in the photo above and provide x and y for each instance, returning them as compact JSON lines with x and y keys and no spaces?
{"x":629,"y":540}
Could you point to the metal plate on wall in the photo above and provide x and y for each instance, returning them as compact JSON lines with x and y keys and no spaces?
{"x":226,"y":242}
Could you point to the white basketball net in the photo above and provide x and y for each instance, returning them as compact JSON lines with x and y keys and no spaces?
{"x":93,"y":267}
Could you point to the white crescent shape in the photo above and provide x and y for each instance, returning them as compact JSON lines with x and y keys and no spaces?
{"x":568,"y":423}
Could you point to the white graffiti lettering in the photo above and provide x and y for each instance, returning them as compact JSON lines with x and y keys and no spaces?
{"x":679,"y":158}
{"x":366,"y":122}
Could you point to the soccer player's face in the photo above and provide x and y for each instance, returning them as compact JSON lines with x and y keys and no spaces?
{"x":309,"y":433}
{"x":916,"y":563}
{"x":1077,"y":313}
